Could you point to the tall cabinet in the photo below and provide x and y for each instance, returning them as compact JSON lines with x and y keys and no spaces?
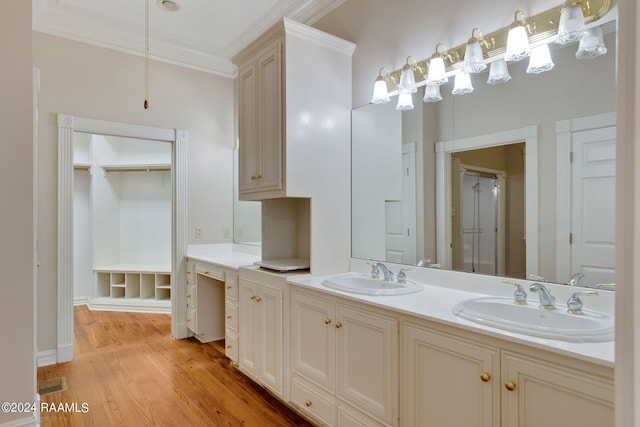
{"x":294,"y":131}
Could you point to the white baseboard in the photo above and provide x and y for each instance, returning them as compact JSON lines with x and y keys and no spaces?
{"x":31,"y":421}
{"x":47,"y":357}
{"x":130,"y":305}
{"x":81,"y":301}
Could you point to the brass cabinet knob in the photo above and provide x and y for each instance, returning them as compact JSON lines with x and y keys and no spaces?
{"x":253,"y":297}
{"x":229,"y":347}
{"x":327,"y":321}
{"x":188,"y":295}
{"x":258,"y":299}
{"x":258,"y":176}
{"x":338,"y":325}
{"x":229,"y":287}
{"x":188,"y":320}
{"x":205,"y":273}
{"x":485,"y":377}
{"x":229,"y":317}
{"x":510,"y":385}
{"x":308,"y":403}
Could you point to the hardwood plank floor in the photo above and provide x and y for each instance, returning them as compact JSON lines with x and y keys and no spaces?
{"x":130,"y":372}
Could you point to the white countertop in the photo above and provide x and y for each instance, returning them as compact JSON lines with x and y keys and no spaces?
{"x":435,"y":304}
{"x":225,"y":254}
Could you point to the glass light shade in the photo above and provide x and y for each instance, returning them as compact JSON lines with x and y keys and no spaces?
{"x":540,"y":60}
{"x":432,"y":93}
{"x":473,"y":60}
{"x":591,"y":44}
{"x":380,"y":94}
{"x":517,"y":44}
{"x":498,"y":72}
{"x":571,"y":26}
{"x":436,"y":74}
{"x":407,"y":81}
{"x":405,"y":102}
{"x":462,"y":84}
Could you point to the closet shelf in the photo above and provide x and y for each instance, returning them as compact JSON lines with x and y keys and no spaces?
{"x":136,"y":167}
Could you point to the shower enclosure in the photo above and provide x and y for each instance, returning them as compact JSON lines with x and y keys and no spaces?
{"x":478,"y":241}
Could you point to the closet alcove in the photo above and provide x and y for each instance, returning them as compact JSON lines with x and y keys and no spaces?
{"x":122,"y":222}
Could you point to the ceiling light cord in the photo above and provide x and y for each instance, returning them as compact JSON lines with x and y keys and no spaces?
{"x":146,"y":55}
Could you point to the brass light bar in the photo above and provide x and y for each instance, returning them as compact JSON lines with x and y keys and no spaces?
{"x":540,"y":27}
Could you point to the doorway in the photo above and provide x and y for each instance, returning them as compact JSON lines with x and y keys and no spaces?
{"x":67,"y":125}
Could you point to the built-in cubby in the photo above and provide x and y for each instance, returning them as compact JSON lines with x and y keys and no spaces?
{"x":122,"y":230}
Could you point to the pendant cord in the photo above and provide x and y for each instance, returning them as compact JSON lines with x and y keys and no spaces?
{"x":146,"y":54}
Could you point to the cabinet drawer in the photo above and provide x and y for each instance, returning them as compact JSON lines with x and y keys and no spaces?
{"x":214,"y":273}
{"x":231,"y":316}
{"x":231,"y":286}
{"x":192,"y":295}
{"x":317,"y":403}
{"x":231,"y":345}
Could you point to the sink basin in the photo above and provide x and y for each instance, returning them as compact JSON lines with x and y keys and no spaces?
{"x":530,"y":319}
{"x":363,"y":284}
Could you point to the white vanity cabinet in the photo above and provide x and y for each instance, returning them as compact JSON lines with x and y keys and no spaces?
{"x":343,"y":361}
{"x":284,"y":102}
{"x":205,"y":301}
{"x":260,"y":302}
{"x":460,"y":380}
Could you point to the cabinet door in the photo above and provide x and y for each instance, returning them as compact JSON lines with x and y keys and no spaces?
{"x":313,"y":339}
{"x":247,"y":127}
{"x":269,"y":309}
{"x":248,"y":351}
{"x":449,"y":381}
{"x":269,"y":173}
{"x":547,"y":395}
{"x":367,"y":366}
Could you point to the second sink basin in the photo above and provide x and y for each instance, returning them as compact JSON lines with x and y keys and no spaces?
{"x":362,"y":284}
{"x":530,"y":319}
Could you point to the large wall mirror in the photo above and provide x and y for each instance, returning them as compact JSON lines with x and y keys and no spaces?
{"x":512,"y":180}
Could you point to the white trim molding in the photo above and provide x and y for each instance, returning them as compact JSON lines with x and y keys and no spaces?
{"x":528,"y":135}
{"x":67,"y":125}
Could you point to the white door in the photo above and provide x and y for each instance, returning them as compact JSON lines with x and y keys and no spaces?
{"x":400,"y":215}
{"x":593,"y":205}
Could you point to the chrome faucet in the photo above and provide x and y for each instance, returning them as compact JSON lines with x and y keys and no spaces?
{"x":547,"y":300}
{"x":574,"y":303}
{"x":375,"y":271}
{"x":575,"y":279}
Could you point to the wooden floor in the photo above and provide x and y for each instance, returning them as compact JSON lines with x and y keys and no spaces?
{"x":130,"y":372}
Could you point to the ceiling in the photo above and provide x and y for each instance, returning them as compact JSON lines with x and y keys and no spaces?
{"x":202,"y":34}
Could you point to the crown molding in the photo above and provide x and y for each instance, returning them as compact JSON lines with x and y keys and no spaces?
{"x":61,"y":20}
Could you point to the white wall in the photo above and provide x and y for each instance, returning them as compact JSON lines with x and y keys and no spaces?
{"x":17,"y":370}
{"x":93,"y":82}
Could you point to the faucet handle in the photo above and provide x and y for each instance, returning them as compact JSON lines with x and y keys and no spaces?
{"x":375,"y":272}
{"x":537,"y":278}
{"x":519,"y":296}
{"x":574,"y":303}
{"x":402,"y":275}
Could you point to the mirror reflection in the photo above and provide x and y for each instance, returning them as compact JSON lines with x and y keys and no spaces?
{"x":512,"y":180}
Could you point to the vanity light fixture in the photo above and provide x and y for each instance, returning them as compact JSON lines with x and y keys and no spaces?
{"x":591,"y":44}
{"x":407,"y":78}
{"x":432,"y":93}
{"x":380,"y":91}
{"x":462,"y":84}
{"x":540,"y":60}
{"x":571,"y":26}
{"x":405,"y":102}
{"x":473,"y":55}
{"x":511,"y":43}
{"x":437,"y":74}
{"x":518,"y":46}
{"x":498,"y":72}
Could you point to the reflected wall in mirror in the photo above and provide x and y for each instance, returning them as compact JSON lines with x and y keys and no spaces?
{"x":574,"y":101}
{"x":247,"y":228}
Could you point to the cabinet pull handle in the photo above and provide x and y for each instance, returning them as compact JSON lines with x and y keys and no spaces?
{"x":327,"y":321}
{"x":308,"y":403}
{"x":229,"y":317}
{"x":258,"y":299}
{"x":205,"y":273}
{"x":228,"y":287}
{"x":253,"y":297}
{"x":485,"y":377}
{"x":510,"y":385}
{"x":229,"y":347}
{"x":188,"y":295}
{"x":188,"y":320}
{"x":338,"y":325}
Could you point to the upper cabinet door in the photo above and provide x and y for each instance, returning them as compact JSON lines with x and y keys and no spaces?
{"x":260,"y":120}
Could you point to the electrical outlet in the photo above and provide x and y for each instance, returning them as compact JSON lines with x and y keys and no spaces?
{"x":198,"y":232}
{"x":225,"y":233}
